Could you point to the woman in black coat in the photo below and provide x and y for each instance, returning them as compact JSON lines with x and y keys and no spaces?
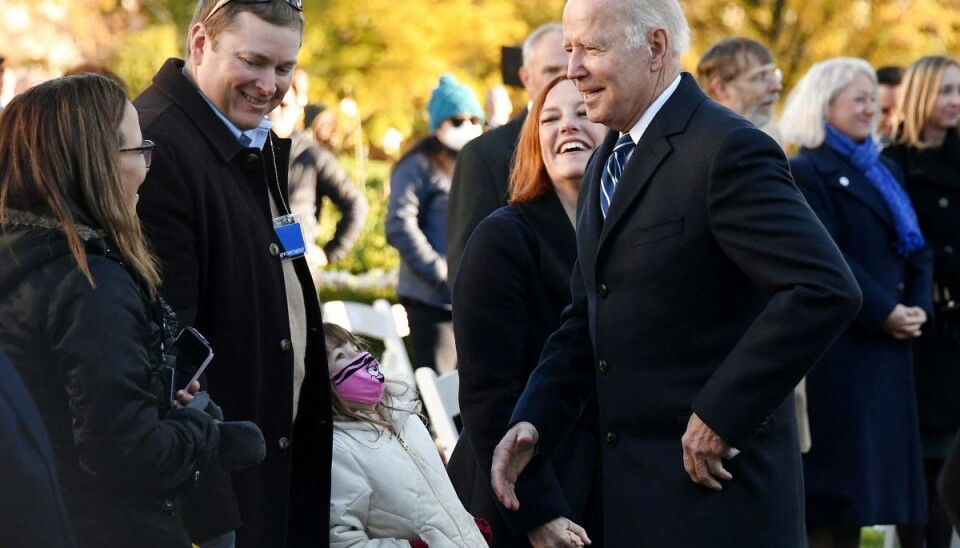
{"x":512,"y":285}
{"x":864,"y":466}
{"x":81,"y":321}
{"x":927,"y":149}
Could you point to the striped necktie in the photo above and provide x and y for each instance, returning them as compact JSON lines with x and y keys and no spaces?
{"x":613,"y":170}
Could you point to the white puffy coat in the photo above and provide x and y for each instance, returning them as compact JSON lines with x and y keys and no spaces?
{"x":390,"y":489}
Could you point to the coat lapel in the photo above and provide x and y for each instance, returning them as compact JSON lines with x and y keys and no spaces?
{"x":651,"y":151}
{"x":843,"y":177}
{"x":589,"y":217}
{"x":557,"y":239}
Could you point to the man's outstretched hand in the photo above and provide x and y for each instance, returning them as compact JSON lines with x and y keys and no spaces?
{"x":510,"y":457}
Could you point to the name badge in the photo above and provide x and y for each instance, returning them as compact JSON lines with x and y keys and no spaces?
{"x":290,"y":234}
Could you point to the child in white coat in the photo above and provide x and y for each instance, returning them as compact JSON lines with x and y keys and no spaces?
{"x":389,"y":486}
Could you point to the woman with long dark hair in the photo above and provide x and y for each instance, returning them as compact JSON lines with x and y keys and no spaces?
{"x":82,"y":323}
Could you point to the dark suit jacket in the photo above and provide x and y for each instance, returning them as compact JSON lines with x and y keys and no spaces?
{"x":479,"y":186}
{"x":515,"y":284}
{"x":31,"y":508}
{"x":711,"y":287}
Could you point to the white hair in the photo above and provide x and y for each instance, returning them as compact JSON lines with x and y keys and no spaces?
{"x":642,"y":16}
{"x":806,"y":108}
{"x":531,"y":42}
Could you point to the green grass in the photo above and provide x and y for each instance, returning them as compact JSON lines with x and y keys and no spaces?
{"x":871,"y":538}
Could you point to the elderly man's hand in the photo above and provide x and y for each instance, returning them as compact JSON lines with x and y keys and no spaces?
{"x":510,"y":457}
{"x":702,"y":451}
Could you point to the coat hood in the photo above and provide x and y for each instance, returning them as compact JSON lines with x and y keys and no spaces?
{"x":28,"y":241}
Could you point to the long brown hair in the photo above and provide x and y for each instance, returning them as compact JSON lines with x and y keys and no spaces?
{"x":335,"y":336}
{"x":528,"y":174}
{"x":60,"y":157}
{"x":918,"y":97}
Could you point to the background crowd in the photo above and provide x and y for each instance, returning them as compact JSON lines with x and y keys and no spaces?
{"x":680,"y":303}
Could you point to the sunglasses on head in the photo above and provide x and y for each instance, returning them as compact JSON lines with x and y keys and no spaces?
{"x":458,"y":121}
{"x":295,"y":4}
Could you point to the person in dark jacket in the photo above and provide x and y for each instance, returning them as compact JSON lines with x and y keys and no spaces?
{"x":927,"y":149}
{"x":417,"y":219}
{"x":32,"y":512}
{"x":513,"y":285}
{"x":315,"y":175}
{"x":864,"y":466}
{"x":82,"y":323}
{"x":479,"y":184}
{"x":209,"y":207}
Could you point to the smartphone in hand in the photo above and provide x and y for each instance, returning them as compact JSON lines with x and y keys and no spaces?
{"x":193,"y":354}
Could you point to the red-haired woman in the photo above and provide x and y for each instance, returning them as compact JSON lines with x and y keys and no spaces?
{"x":511,"y":286}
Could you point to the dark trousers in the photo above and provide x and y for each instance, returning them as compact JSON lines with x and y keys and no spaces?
{"x":431,"y":336}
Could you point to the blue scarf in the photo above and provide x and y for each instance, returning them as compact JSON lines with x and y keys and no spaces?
{"x":865,"y":157}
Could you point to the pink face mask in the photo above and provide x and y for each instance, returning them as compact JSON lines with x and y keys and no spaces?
{"x":360,"y":381}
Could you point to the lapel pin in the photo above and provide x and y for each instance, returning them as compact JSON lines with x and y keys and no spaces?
{"x":844,"y":181}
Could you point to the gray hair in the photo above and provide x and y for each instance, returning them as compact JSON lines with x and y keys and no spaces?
{"x":642,"y":16}
{"x":807,"y":105}
{"x":535,"y":36}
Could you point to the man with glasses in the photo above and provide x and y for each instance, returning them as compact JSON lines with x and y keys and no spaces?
{"x":739,"y":74}
{"x":216,"y":211}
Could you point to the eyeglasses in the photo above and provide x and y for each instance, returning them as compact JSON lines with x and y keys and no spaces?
{"x":295,"y":4}
{"x":765,"y":75}
{"x":146,"y":149}
{"x":458,"y":121}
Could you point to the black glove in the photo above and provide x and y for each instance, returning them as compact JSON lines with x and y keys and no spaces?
{"x":241,"y":445}
{"x":202,"y":402}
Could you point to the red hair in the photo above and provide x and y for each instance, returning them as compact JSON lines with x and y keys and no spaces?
{"x":528,"y":174}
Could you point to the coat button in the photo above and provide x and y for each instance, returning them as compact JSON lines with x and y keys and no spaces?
{"x":283,"y":442}
{"x":253,"y":158}
{"x":844,"y":181}
{"x":274,"y":250}
{"x":944,"y":202}
{"x":285,"y":345}
{"x":167,"y":503}
{"x":196,"y":477}
{"x":610,"y":439}
{"x":602,"y":367}
{"x":901,"y":287}
{"x":602,"y":291}
{"x":948,"y":249}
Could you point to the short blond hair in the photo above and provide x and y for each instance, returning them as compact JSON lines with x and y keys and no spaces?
{"x":806,"y":108}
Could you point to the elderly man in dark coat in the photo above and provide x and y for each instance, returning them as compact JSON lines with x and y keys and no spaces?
{"x":707,"y":287}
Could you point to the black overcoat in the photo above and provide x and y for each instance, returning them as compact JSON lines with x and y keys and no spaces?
{"x":514,"y":284}
{"x":479,"y":186}
{"x":711,"y":287}
{"x":932,"y":179}
{"x":207,"y":216}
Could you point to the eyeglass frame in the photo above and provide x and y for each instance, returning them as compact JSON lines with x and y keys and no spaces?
{"x":145,"y":150}
{"x":295,"y":4}
{"x":764,"y":74}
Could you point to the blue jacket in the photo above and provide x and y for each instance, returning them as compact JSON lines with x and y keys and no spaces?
{"x":417,"y":225}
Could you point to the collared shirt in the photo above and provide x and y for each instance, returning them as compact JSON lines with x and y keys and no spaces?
{"x":636,"y":132}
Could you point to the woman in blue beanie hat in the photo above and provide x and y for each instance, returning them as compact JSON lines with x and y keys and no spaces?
{"x":417,"y":221}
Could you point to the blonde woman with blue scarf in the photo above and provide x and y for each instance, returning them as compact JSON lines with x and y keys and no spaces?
{"x":865,"y":466}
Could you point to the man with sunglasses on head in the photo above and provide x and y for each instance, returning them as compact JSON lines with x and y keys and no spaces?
{"x":216,"y":211}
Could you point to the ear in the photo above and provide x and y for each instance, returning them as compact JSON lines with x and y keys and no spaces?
{"x":718,"y":89}
{"x":658,"y":43}
{"x":198,"y":38}
{"x":524,"y":78}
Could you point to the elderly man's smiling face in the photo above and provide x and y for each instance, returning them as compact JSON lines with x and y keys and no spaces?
{"x":617,"y":82}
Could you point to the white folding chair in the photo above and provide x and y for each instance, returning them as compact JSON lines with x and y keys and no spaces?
{"x":379,"y":321}
{"x":441,"y":399}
